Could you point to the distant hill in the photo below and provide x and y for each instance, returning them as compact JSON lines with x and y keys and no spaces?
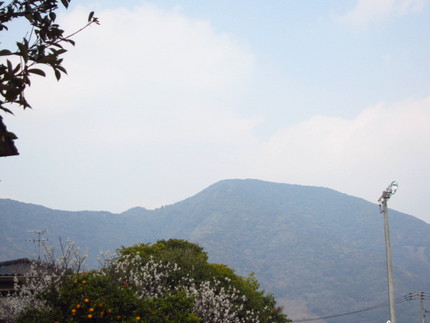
{"x":319,"y":251}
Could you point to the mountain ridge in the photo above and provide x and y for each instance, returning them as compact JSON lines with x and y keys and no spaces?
{"x":318,"y":250}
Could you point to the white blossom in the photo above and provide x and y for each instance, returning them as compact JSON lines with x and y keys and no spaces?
{"x":214,"y":301}
{"x":41,"y":275}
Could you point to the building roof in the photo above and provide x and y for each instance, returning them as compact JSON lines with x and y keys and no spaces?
{"x":7,"y":146}
{"x":17,"y":267}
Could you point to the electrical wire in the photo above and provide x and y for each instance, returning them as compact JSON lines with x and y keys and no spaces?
{"x":343,"y":314}
{"x":402,"y":299}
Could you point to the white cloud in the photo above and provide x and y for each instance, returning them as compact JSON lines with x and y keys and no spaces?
{"x":147,"y":73}
{"x":367,"y":12}
{"x":359,"y":156}
{"x":145,"y":103}
{"x":145,"y":118}
{"x":151,"y":47}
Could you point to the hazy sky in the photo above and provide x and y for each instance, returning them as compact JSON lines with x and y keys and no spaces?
{"x":165,"y":98}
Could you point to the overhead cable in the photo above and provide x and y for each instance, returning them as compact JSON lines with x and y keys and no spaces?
{"x":404,"y":298}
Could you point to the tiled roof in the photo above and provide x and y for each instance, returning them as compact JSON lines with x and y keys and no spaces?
{"x":16,"y":267}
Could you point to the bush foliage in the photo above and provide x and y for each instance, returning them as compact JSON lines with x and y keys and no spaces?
{"x":169,"y":281}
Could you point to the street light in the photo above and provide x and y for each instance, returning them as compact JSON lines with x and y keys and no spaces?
{"x":389,"y":191}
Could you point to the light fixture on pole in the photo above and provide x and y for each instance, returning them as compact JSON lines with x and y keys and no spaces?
{"x":389,"y":191}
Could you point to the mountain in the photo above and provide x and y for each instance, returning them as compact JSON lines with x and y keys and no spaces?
{"x":319,"y":251}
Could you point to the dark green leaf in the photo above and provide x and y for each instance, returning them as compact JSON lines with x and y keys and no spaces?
{"x":5,"y":52}
{"x":9,"y":67}
{"x":58,"y":75}
{"x":23,"y":50}
{"x":62,"y":69}
{"x":57,"y":45}
{"x":71,"y":42}
{"x":58,"y":52}
{"x":12,"y":94}
{"x":65,"y":3}
{"x":37,"y":71}
{"x":49,"y":59}
{"x":90,"y":17}
{"x":5,"y":109}
{"x":16,"y":69}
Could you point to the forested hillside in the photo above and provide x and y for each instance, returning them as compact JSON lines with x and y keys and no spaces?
{"x":319,"y":251}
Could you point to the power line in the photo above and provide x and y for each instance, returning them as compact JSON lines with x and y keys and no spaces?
{"x":417,"y":295}
{"x":343,"y":314}
{"x":404,"y":298}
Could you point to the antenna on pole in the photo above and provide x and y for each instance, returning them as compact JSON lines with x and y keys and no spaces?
{"x":38,"y":240}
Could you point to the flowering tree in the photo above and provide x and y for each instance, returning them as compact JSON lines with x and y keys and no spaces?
{"x":170,"y":281}
{"x":212,"y":302}
{"x":219,"y":294}
{"x":42,"y":276}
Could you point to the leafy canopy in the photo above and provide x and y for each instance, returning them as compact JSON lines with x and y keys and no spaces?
{"x":193,"y":263}
{"x":169,"y":281}
{"x":43,"y":45}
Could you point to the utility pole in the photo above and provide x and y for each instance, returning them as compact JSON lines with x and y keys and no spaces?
{"x":421,"y":296}
{"x":39,"y":239}
{"x":423,"y":311}
{"x":384,"y":209}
